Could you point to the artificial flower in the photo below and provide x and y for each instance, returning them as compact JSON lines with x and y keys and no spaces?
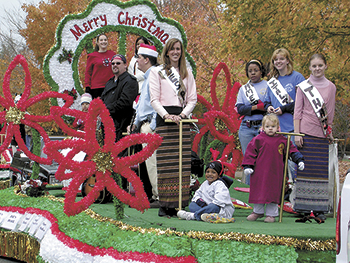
{"x":222,"y":122}
{"x":101,"y":161}
{"x":16,"y":113}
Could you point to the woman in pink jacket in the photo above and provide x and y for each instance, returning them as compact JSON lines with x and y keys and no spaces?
{"x":173,"y":96}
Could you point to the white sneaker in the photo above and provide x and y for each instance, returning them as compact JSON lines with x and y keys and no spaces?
{"x":182,"y":214}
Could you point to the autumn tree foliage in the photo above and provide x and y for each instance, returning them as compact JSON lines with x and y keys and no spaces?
{"x":41,"y":23}
{"x":255,"y":28}
{"x":201,"y":21}
{"x":230,"y":31}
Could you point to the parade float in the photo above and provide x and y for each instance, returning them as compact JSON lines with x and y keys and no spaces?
{"x":40,"y":227}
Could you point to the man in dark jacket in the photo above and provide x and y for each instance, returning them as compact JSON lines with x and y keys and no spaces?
{"x":119,"y":94}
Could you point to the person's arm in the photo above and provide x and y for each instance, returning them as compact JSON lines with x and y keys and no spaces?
{"x":198,"y":194}
{"x":222,"y":195}
{"x":299,"y":105}
{"x":244,"y":110}
{"x":249,"y":110}
{"x":298,"y":139}
{"x":191,"y":95}
{"x":267,"y":102}
{"x":289,"y":108}
{"x":155,"y":92}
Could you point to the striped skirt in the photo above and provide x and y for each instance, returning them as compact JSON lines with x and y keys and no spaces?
{"x":311,"y":188}
{"x":168,"y":165}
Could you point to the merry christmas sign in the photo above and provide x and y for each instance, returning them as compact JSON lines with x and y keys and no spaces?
{"x":75,"y":31}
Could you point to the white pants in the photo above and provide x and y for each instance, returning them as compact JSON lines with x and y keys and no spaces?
{"x":271,"y":209}
{"x":151,"y":163}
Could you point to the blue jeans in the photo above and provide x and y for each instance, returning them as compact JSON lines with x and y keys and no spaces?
{"x":198,"y":211}
{"x":28,"y":141}
{"x":245,"y":135}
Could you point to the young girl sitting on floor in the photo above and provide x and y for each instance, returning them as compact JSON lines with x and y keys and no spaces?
{"x":212,"y":201}
{"x":264,"y":160}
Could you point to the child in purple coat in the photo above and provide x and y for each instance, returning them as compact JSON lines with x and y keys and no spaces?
{"x":264,"y":160}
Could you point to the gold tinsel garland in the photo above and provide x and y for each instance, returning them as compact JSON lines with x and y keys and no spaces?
{"x":308,"y":244}
{"x":3,"y":161}
{"x":13,"y":114}
{"x":4,"y":184}
{"x":104,"y":161}
{"x":19,"y":246}
{"x":220,"y":125}
{"x":303,"y":244}
{"x":237,"y":141}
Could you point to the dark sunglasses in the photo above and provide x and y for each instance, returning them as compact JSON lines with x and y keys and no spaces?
{"x":113,"y":63}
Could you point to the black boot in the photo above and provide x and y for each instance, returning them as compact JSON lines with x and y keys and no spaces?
{"x":162,"y":211}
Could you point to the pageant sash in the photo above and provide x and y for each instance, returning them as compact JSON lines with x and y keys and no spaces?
{"x":279,"y":92}
{"x":317,"y":103}
{"x":250,"y":93}
{"x":174,"y":80}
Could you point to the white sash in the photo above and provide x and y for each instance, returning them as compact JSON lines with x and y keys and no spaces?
{"x":173,"y":78}
{"x":250,"y":93}
{"x":316,"y":101}
{"x":279,"y":92}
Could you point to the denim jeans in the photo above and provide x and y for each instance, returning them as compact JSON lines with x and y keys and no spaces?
{"x":198,"y":211}
{"x":245,"y":135}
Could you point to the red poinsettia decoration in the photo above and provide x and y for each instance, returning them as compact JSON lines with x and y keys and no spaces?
{"x":222,"y":122}
{"x":101,"y":161}
{"x":16,"y":113}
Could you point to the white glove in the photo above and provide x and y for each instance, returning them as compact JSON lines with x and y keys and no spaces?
{"x":248,"y":171}
{"x":301,"y":166}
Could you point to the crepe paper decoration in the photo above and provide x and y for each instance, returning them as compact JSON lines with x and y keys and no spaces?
{"x":16,"y":114}
{"x":240,"y":204}
{"x":222,"y":121}
{"x":101,"y":161}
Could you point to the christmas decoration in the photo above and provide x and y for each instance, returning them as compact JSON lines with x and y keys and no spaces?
{"x":101,"y":161}
{"x":222,"y":122}
{"x":16,"y":113}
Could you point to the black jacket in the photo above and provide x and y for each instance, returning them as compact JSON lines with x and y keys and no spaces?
{"x":118,"y":96}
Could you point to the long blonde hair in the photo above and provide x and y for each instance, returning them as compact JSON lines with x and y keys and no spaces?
{"x":283,"y":52}
{"x":166,"y":60}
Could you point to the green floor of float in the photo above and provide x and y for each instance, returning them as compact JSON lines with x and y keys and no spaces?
{"x":288,"y":226}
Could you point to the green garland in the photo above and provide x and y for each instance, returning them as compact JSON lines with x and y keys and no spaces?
{"x":118,"y":205}
{"x":66,"y":55}
{"x":104,"y":235}
{"x":123,"y":30}
{"x":203,"y":144}
{"x":37,"y":151}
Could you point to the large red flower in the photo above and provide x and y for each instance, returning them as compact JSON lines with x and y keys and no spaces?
{"x":16,"y":114}
{"x":222,"y":122}
{"x":100,"y":161}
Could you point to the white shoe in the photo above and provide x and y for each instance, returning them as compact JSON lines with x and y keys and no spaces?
{"x":182,"y":214}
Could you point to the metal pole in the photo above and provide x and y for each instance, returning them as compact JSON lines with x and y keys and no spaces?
{"x":289,"y":134}
{"x":180,"y":165}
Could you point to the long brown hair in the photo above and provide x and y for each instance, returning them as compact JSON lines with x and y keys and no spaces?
{"x":166,"y":60}
{"x":97,"y":48}
{"x":285,"y":53}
